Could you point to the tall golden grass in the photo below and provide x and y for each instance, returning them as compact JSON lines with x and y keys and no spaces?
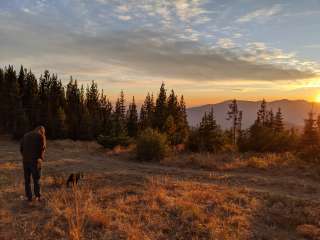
{"x":231,"y":161}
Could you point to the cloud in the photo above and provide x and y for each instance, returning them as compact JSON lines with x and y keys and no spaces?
{"x":103,"y":1}
{"x":170,"y":13}
{"x":85,"y":48}
{"x":260,"y":53}
{"x":185,"y":60}
{"x":237,"y":35}
{"x":187,"y":10}
{"x":36,"y":8}
{"x":124,"y":17}
{"x":225,"y":43}
{"x":257,"y":45}
{"x":302,"y":13}
{"x":141,"y":54}
{"x":259,"y":14}
{"x":122,"y":8}
{"x":313,"y":46}
{"x":27,"y":10}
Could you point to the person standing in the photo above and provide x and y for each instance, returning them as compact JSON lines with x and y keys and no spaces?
{"x":32,"y":148}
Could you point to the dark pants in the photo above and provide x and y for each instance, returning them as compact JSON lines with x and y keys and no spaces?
{"x":35,"y":172}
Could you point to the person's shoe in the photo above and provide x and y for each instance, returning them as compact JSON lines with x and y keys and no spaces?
{"x":39,"y":199}
{"x":28,"y":202}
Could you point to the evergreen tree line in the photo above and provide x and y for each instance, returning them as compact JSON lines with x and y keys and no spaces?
{"x":266,"y":134}
{"x":78,"y":112}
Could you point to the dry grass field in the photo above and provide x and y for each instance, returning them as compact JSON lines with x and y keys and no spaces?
{"x":187,"y":196}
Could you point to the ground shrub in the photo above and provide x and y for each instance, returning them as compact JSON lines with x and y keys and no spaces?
{"x":211,"y":141}
{"x":113,"y":141}
{"x":151,"y":145}
{"x":265,"y":139}
{"x":310,"y":154}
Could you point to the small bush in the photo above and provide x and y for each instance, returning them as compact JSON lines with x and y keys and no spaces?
{"x":151,"y":145}
{"x":211,"y":141}
{"x":310,"y":154}
{"x":113,"y":141}
{"x":265,"y":139}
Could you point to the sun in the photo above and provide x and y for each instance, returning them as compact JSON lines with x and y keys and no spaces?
{"x":317,"y":98}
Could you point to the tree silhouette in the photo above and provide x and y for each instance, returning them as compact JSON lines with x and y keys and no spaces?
{"x":119,"y":117}
{"x":146,"y":119}
{"x":310,"y":135}
{"x":278,"y":121}
{"x":161,"y":109}
{"x":132,"y":119}
{"x":236,"y":117}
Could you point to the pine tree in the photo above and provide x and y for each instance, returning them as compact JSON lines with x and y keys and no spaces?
{"x":31,"y":99}
{"x":132,"y":119}
{"x":84,"y":132}
{"x":318,"y":123}
{"x":105,"y":107}
{"x":236,"y":117}
{"x":208,"y":123}
{"x":211,"y":138}
{"x":278,"y":121}
{"x":60,"y":124}
{"x":240,"y":121}
{"x":147,"y":113}
{"x":262,"y":114}
{"x":181,"y":122}
{"x":56,"y":106}
{"x":170,"y":129}
{"x":21,"y":124}
{"x":84,"y":121}
{"x":310,"y":137}
{"x":12,"y":101}
{"x":270,"y":119}
{"x":119,"y":117}
{"x":173,"y":106}
{"x":143,"y":124}
{"x":161,"y":109}
{"x":22,"y":80}
{"x":44,"y":86}
{"x":2,"y":100}
{"x":75,"y":108}
{"x":92,"y":102}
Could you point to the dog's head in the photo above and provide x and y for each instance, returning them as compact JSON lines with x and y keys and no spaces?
{"x":81,"y":174}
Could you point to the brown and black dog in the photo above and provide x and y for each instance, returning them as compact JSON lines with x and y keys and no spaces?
{"x":74,"y":178}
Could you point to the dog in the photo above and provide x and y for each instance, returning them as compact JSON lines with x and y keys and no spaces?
{"x":74,"y":178}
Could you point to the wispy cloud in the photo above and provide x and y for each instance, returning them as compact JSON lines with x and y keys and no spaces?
{"x":122,"y":8}
{"x":302,"y":13}
{"x":27,"y":10}
{"x":186,"y":10}
{"x":178,"y":41}
{"x":314,"y":46}
{"x":124,"y":17}
{"x":259,"y":14}
{"x":35,"y":8}
{"x":225,"y":43}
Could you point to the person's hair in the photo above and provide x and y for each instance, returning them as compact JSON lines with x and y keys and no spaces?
{"x":41,"y":130}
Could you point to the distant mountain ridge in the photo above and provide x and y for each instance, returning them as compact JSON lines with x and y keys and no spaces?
{"x":294,"y":111}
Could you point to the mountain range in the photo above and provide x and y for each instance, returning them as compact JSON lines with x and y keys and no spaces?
{"x":294,"y":112}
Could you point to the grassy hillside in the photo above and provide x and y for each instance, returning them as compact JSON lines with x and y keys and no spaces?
{"x":184,"y":197}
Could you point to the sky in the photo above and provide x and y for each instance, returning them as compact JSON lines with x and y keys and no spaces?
{"x":207,"y":50}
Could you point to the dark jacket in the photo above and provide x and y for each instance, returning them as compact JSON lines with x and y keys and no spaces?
{"x":32,"y":147}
